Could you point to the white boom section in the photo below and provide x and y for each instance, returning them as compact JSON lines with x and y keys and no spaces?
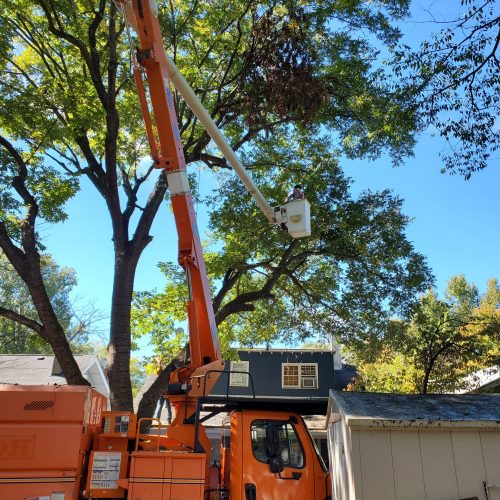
{"x":213,"y":131}
{"x":293,"y":215}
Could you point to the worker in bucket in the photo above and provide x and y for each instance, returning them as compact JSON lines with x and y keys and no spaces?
{"x":296,"y":193}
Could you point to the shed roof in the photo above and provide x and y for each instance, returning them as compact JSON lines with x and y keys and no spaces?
{"x":365,"y":409}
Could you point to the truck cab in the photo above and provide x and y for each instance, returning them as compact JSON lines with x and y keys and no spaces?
{"x":273,"y":456}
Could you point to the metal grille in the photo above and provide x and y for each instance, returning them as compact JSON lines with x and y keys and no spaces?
{"x":38,"y":405}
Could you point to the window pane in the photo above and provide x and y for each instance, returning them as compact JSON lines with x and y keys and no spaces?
{"x":285,"y":438}
{"x":290,"y":375}
{"x":290,"y":449}
{"x":258,"y":435}
{"x":308,"y":370}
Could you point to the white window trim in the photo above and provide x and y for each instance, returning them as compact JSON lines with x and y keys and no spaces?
{"x":299,"y":386}
{"x":235,"y":379}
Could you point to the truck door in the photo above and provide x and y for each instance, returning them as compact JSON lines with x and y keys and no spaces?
{"x":277,"y":460}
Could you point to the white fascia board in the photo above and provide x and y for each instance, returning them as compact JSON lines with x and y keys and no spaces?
{"x":101,"y":373}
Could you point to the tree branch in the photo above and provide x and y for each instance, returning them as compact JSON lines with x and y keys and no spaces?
{"x":21,"y":319}
{"x":243,"y":301}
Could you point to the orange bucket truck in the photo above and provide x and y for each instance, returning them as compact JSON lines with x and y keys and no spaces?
{"x":59,"y":443}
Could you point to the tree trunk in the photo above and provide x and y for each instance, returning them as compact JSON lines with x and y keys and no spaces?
{"x":53,"y":333}
{"x":150,"y":398}
{"x":427,"y":374}
{"x":425,"y":382}
{"x":118,"y":369}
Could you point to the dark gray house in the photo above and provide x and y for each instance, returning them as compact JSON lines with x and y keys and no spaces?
{"x":285,"y":373}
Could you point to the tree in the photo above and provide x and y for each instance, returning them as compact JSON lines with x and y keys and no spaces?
{"x":15,"y":302}
{"x":444,"y":342}
{"x":345,"y":281}
{"x":137,"y":375}
{"x":19,"y":210}
{"x":454,"y":79}
{"x":70,"y":109}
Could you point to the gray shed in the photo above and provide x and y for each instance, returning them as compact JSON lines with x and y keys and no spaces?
{"x":414,"y":447}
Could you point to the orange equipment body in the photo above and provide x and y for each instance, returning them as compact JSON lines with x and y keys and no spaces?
{"x":45,"y":433}
{"x":166,"y":475}
{"x":108,"y":463}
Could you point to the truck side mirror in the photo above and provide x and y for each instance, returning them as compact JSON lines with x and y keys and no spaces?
{"x":275,"y":465}
{"x":274,"y":460}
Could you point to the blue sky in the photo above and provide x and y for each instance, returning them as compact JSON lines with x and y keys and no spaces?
{"x":455,"y":222}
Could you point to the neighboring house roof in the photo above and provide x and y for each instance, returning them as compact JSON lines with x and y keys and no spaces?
{"x":364,"y":409}
{"x":485,"y":380}
{"x":41,"y":369}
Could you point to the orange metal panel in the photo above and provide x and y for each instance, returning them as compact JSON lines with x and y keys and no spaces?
{"x":187,"y":491}
{"x":188,"y":465}
{"x":167,"y":475}
{"x":44,"y":434}
{"x":147,"y":476}
{"x":46,"y":446}
{"x":44,"y":403}
{"x":147,"y":464}
{"x":59,"y":491}
{"x":119,"y":424}
{"x":148,"y":491}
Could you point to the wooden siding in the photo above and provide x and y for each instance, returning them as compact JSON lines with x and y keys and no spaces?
{"x":407,"y":463}
{"x":376,"y":465}
{"x":413,"y":465}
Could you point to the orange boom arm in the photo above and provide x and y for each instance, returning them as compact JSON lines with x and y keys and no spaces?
{"x":168,"y":154}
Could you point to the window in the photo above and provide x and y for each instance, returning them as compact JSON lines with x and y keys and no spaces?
{"x":284,"y":437}
{"x":239,"y":379}
{"x":300,"y":375}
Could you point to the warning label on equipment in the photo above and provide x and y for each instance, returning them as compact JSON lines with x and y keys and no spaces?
{"x":105,"y":470}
